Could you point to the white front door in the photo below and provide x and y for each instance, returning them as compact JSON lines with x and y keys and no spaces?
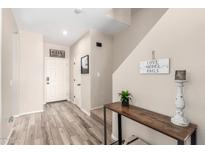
{"x":56,"y":73}
{"x":77,"y":81}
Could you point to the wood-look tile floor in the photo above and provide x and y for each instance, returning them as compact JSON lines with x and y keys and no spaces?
{"x":98,"y":114}
{"x":60,"y":123}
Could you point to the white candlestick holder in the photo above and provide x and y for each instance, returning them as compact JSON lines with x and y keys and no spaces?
{"x":179,"y":118}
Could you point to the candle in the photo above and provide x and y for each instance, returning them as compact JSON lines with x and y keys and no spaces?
{"x":180,"y":75}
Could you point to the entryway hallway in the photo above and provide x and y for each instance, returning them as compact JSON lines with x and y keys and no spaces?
{"x":60,"y":123}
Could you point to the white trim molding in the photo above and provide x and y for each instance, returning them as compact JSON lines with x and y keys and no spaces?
{"x":86,"y":112}
{"x":16,"y":116}
{"x":27,"y":113}
{"x":69,"y":100}
{"x":94,"y":108}
{"x":83,"y":110}
{"x":12,"y":128}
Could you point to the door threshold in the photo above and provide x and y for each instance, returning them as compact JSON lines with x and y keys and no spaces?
{"x":57,"y":101}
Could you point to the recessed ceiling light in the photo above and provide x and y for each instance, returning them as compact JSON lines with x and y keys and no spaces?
{"x":78,"y":10}
{"x":65,"y":32}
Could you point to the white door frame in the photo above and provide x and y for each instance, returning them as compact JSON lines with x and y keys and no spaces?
{"x":45,"y":71}
{"x":79,"y":104}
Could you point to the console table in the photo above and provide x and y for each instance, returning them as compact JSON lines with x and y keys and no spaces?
{"x":156,"y":121}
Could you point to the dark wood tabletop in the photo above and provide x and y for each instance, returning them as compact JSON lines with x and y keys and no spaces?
{"x":156,"y":121}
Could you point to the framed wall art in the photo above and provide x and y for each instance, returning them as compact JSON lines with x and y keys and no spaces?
{"x":57,"y":53}
{"x":85,"y":64}
{"x":154,"y":66}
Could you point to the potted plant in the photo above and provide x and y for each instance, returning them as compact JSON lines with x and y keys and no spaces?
{"x":125,"y":97}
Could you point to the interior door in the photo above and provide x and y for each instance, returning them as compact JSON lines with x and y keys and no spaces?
{"x":77,"y":81}
{"x":56,"y":79}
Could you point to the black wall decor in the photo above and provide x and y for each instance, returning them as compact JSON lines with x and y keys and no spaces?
{"x":57,"y":53}
{"x":98,"y":44}
{"x":85,"y":64}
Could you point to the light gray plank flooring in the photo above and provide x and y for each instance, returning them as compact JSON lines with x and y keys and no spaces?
{"x":60,"y":123}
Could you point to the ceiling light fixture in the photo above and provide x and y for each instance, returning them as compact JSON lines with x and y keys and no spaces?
{"x":65,"y":33}
{"x":78,"y":10}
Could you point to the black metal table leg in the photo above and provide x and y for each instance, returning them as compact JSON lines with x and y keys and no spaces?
{"x":105,"y":127}
{"x":193,"y":138}
{"x":179,"y":142}
{"x":119,"y":130}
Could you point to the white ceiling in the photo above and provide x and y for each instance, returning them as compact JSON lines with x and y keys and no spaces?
{"x":51,"y":23}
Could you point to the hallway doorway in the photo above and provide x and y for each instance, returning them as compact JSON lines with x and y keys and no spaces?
{"x":56,"y":79}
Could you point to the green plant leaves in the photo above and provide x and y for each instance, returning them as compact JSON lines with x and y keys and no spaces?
{"x":125,"y":95}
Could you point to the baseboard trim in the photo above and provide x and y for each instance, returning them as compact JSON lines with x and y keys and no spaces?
{"x":94,"y":108}
{"x":83,"y":110}
{"x":16,"y":116}
{"x":27,"y":113}
{"x":57,"y":101}
{"x":9,"y":136}
{"x":88,"y":113}
{"x":71,"y":101}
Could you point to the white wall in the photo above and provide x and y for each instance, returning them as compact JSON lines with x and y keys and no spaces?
{"x":142,"y":21}
{"x":9,"y":27}
{"x":15,"y":74}
{"x":123,"y":15}
{"x":22,"y":71}
{"x":180,"y":36}
{"x":81,"y":48}
{"x":31,"y":72}
{"x":101,"y":69}
{"x":0,"y":73}
{"x":96,"y":87}
{"x":48,"y":46}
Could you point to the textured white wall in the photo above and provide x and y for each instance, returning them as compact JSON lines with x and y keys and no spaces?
{"x":180,"y":36}
{"x":31,"y":72}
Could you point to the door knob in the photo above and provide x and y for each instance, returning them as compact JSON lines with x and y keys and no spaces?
{"x":47,"y":82}
{"x":78,"y":84}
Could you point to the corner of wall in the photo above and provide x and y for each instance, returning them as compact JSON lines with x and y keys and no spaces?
{"x":0,"y":72}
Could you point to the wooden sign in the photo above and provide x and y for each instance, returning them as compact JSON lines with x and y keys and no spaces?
{"x":154,"y":66}
{"x":57,"y":53}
